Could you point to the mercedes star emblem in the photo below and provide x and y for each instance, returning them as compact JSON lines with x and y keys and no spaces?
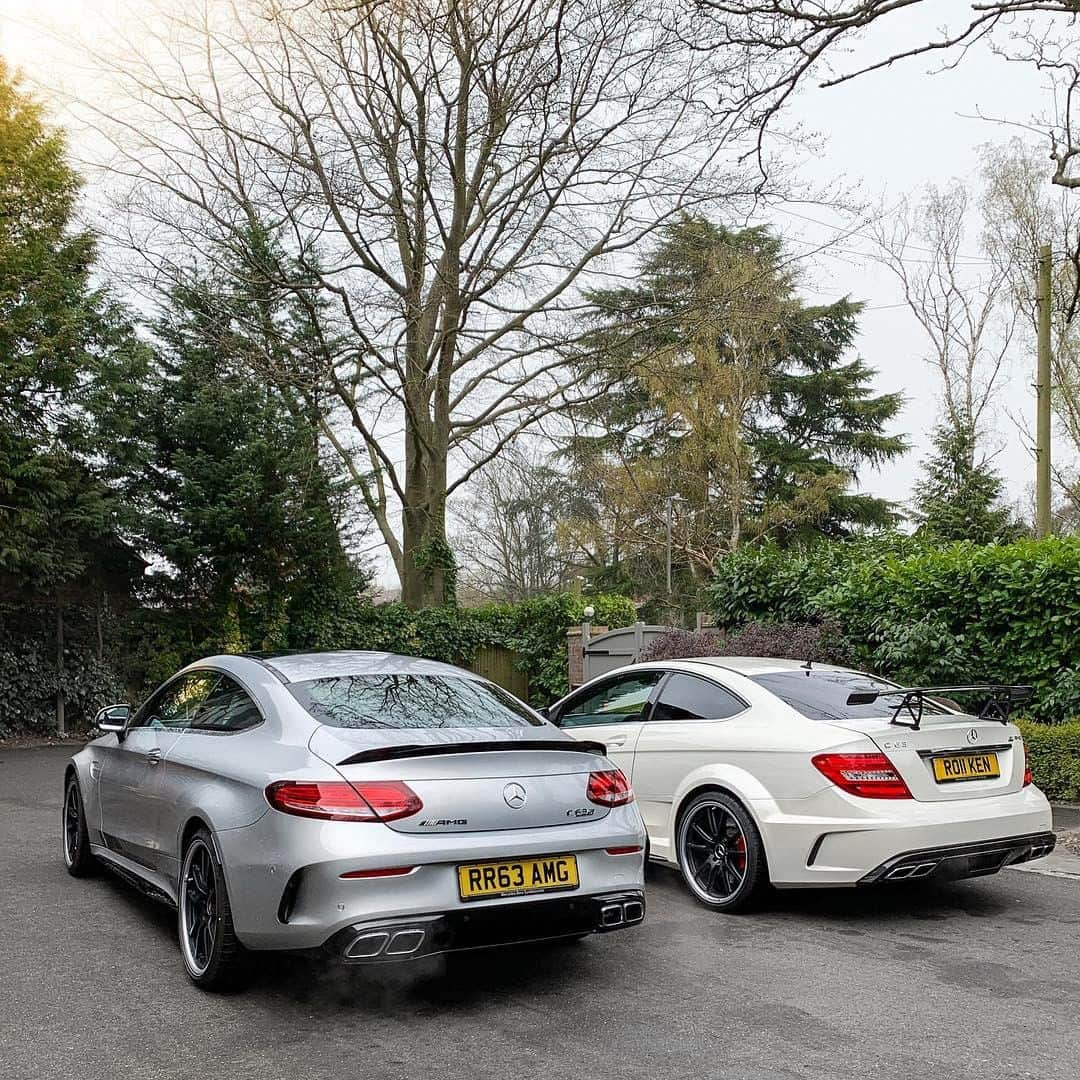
{"x":514,"y":796}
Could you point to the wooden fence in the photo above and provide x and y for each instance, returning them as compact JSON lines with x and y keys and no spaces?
{"x":498,"y":664}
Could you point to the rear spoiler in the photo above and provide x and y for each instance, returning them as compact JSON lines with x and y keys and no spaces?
{"x":480,"y":746}
{"x":999,"y":703}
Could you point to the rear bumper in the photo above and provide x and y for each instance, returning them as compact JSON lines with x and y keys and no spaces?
{"x":835,"y":839}
{"x":962,"y":860}
{"x":387,"y":941}
{"x":286,"y":888}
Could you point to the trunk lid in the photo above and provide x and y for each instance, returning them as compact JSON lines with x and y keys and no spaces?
{"x":473,"y":780}
{"x":948,"y":738}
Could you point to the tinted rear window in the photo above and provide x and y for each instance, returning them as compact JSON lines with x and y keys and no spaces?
{"x":822,"y":695}
{"x":410,"y":701}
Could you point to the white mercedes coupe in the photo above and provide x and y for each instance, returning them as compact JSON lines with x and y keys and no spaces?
{"x":751,"y":771}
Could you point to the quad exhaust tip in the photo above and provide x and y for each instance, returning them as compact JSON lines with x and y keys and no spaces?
{"x":912,"y":872}
{"x":375,"y":943}
{"x":621,"y":913}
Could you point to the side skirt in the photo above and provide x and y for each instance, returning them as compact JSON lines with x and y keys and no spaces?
{"x":155,"y":886}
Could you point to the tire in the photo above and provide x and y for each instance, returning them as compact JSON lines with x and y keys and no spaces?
{"x":213,"y":957}
{"x":78,"y":858}
{"x":720,"y":853}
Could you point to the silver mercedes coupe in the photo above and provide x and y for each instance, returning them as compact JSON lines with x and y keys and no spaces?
{"x":369,"y":806}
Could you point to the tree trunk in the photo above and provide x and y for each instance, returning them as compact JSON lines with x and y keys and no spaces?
{"x":61,"y":719}
{"x":427,"y":566}
{"x":427,"y":570}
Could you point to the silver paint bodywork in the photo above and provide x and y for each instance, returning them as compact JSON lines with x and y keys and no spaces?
{"x":143,"y":795}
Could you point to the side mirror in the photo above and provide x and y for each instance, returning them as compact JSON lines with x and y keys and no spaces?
{"x":112,"y":718}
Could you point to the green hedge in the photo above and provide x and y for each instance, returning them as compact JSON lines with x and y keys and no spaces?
{"x":160,"y":641}
{"x":29,"y":678}
{"x":148,"y":644}
{"x":535,"y":628}
{"x":922,"y":614}
{"x":1054,"y":755}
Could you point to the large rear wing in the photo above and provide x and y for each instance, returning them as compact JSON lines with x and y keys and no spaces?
{"x":998,"y":703}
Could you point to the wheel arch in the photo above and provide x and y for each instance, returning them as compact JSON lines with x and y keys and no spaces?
{"x":736,"y":783}
{"x":195,"y":821}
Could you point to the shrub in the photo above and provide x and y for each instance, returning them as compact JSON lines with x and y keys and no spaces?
{"x":163,"y":641}
{"x":29,"y":678}
{"x":1054,"y":755}
{"x":922,"y":614}
{"x":820,"y":642}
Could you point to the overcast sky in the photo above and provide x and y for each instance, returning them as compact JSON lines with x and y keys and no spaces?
{"x":885,"y":135}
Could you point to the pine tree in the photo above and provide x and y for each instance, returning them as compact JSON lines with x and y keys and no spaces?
{"x":715,"y":383}
{"x":958,"y":498}
{"x":66,"y":350}
{"x":235,"y":498}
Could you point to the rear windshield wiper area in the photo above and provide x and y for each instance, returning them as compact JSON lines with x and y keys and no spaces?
{"x":479,"y":746}
{"x":999,"y":700}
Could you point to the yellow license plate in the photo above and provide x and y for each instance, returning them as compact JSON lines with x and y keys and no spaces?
{"x":514,"y":877}
{"x":948,"y":770}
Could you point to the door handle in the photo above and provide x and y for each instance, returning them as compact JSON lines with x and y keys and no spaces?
{"x":617,"y":740}
{"x":153,"y":757}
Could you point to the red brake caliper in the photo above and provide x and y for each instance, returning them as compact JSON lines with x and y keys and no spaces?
{"x":740,"y":847}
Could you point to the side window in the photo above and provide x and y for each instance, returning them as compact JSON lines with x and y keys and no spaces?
{"x":614,"y":702}
{"x":687,"y":697}
{"x":175,"y":705}
{"x":227,"y":708}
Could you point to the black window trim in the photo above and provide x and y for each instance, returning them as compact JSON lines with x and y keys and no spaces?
{"x":202,"y":670}
{"x":648,"y":716}
{"x":603,"y":681}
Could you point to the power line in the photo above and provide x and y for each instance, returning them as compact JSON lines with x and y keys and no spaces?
{"x":847,"y":231}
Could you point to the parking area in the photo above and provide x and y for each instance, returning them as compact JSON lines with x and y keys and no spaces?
{"x":978,"y":979}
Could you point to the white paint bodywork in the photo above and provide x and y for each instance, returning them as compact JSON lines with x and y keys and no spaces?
{"x":814,"y":833}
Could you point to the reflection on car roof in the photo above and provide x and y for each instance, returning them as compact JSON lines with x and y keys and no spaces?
{"x":324,"y":665}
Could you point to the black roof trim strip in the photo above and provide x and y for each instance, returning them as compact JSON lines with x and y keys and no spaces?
{"x":480,"y":746}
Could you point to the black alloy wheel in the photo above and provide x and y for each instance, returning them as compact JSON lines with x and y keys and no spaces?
{"x":213,"y":957}
{"x":78,"y":858}
{"x":720,"y":852}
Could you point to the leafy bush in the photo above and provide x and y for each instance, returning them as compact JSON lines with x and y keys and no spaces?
{"x":1054,"y":755}
{"x":922,"y":614}
{"x":769,"y":583}
{"x":160,"y":641}
{"x":29,"y":678}
{"x":820,"y":642}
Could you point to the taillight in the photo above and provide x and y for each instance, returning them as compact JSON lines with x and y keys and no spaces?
{"x":870,"y":776}
{"x":1027,"y":767}
{"x":338,"y":800}
{"x":609,"y":788}
{"x":630,"y":849}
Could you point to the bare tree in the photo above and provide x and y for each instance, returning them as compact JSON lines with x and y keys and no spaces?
{"x":509,"y":540}
{"x":962,"y":307}
{"x":787,"y":43}
{"x":1021,"y":212}
{"x":440,"y":176}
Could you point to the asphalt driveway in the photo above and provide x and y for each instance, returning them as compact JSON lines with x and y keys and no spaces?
{"x":979,"y":979}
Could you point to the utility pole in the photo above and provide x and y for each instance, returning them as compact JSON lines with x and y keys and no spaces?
{"x":1042,"y":400}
